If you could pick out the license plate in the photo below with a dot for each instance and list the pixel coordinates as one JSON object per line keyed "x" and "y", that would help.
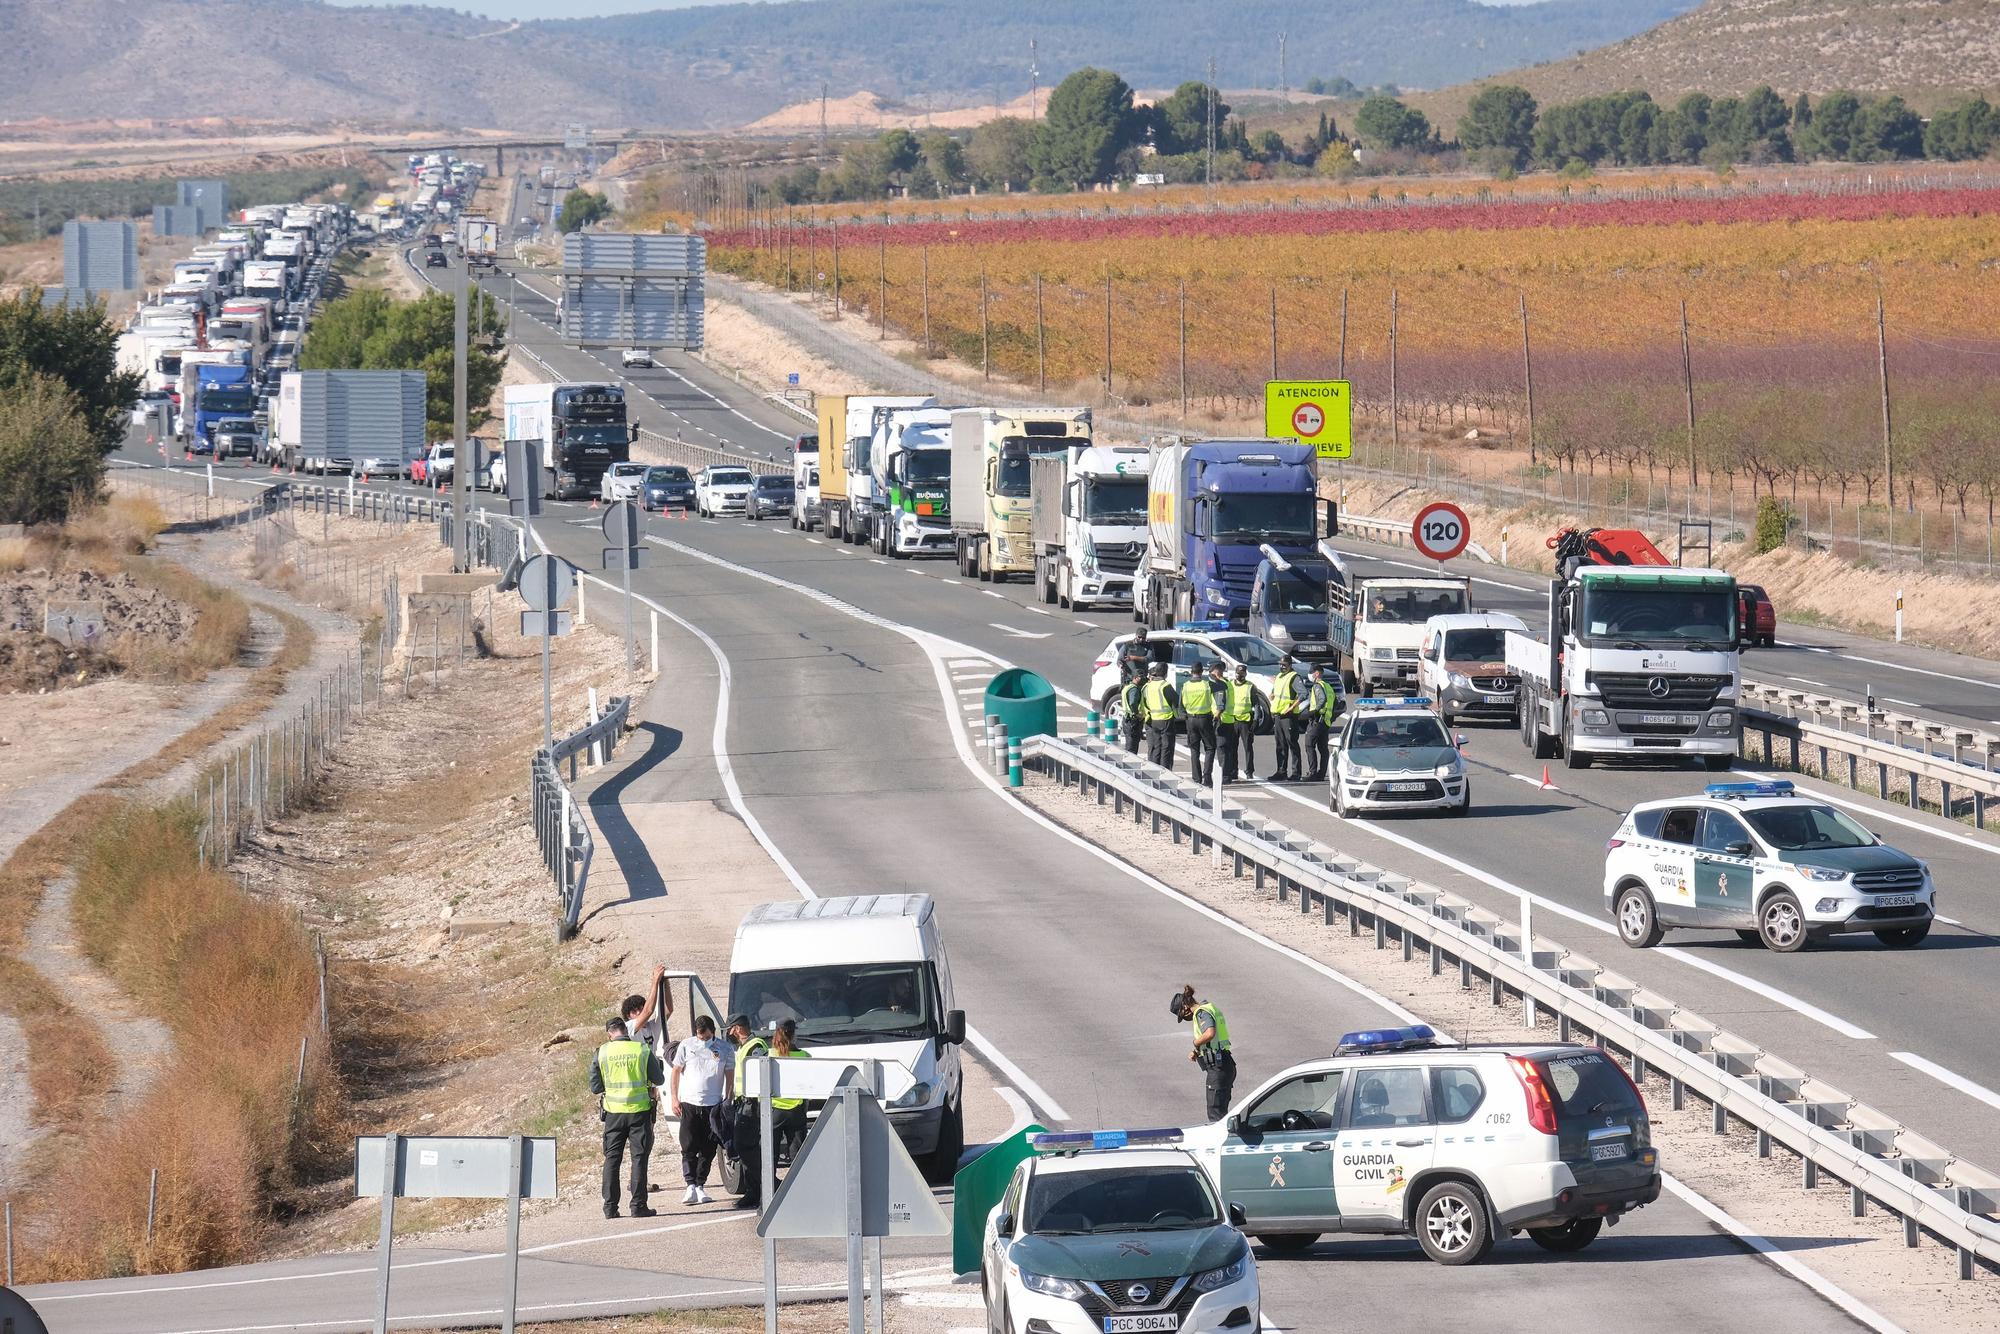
{"x": 1132, "y": 1324}
{"x": 1895, "y": 900}
{"x": 1311, "y": 646}
{"x": 1605, "y": 1152}
{"x": 1498, "y": 699}
{"x": 1664, "y": 719}
{"x": 1406, "y": 787}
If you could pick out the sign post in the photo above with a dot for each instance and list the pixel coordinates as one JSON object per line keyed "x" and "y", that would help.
{"x": 1440, "y": 531}
{"x": 547, "y": 582}
{"x": 622, "y": 553}
{"x": 1319, "y": 413}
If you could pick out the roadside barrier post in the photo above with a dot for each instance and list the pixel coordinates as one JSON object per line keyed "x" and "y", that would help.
{"x": 1090, "y": 723}
{"x": 1899, "y": 616}
{"x": 992, "y": 735}
{"x": 1000, "y": 747}
{"x": 1013, "y": 764}
{"x": 656, "y": 641}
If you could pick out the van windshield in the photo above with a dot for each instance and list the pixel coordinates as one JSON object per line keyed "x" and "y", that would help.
{"x": 841, "y": 1003}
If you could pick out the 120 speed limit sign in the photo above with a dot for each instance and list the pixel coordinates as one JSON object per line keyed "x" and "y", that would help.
{"x": 1441, "y": 531}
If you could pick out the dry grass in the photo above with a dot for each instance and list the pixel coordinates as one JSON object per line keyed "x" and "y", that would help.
{"x": 126, "y": 524}
{"x": 221, "y": 626}
{"x": 15, "y": 553}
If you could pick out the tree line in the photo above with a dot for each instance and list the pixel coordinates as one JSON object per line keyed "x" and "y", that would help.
{"x": 64, "y": 405}
{"x": 369, "y": 330}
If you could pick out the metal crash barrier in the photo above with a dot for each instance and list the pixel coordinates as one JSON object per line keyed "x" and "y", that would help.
{"x": 560, "y": 829}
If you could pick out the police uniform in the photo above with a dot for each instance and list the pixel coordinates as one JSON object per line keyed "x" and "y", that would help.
{"x": 1322, "y": 704}
{"x": 1133, "y": 696}
{"x": 1286, "y": 709}
{"x": 625, "y": 1074}
{"x": 1162, "y": 706}
{"x": 788, "y": 1122}
{"x": 1220, "y": 1081}
{"x": 1201, "y": 703}
{"x": 1135, "y": 659}
{"x": 1239, "y": 731}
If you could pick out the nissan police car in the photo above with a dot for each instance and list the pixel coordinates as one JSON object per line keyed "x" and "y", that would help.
{"x": 1109, "y": 1232}
{"x": 1397, "y": 1134}
{"x": 1765, "y": 862}
{"x": 1394, "y": 755}
{"x": 1187, "y": 648}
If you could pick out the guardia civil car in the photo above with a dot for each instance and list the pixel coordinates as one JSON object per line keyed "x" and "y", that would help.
{"x": 1115, "y": 1232}
{"x": 1394, "y": 755}
{"x": 1762, "y": 861}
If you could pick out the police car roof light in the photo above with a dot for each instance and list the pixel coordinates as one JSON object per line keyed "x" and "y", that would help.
{"x": 1776, "y": 788}
{"x": 1077, "y": 1141}
{"x": 1202, "y": 625}
{"x": 1411, "y": 702}
{"x": 1386, "y": 1039}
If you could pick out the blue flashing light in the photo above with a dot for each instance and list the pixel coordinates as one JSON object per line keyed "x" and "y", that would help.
{"x": 1386, "y": 1039}
{"x": 1412, "y": 702}
{"x": 1216, "y": 625}
{"x": 1077, "y": 1141}
{"x": 1779, "y": 787}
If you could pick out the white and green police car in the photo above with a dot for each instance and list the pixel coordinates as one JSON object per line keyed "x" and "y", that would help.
{"x": 1394, "y": 755}
{"x": 1115, "y": 1232}
{"x": 1765, "y": 862}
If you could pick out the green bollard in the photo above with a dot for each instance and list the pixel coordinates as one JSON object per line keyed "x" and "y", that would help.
{"x": 1013, "y": 763}
{"x": 1090, "y": 724}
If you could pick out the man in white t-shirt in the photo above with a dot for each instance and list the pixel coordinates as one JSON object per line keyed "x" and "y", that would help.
{"x": 645, "y": 1016}
{"x": 700, "y": 1083}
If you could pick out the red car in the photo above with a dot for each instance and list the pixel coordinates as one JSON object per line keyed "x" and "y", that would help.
{"x": 1757, "y": 618}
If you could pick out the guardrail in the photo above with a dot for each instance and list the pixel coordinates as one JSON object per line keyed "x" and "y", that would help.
{"x": 1927, "y": 781}
{"x": 1927, "y": 1187}
{"x": 560, "y": 829}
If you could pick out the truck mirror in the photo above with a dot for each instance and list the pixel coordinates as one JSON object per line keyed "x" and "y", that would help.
{"x": 1331, "y": 517}
{"x": 632, "y": 429}
{"x": 954, "y": 1027}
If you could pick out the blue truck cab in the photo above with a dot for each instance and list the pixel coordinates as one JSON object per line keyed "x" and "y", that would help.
{"x": 1215, "y": 510}
{"x": 220, "y": 391}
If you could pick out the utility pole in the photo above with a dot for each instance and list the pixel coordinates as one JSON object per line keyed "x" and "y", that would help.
{"x": 1209, "y": 171}
{"x": 1034, "y": 82}
{"x": 1882, "y": 364}
{"x": 1687, "y": 379}
{"x": 463, "y": 464}
{"x": 1528, "y": 377}
{"x": 822, "y": 119}
{"x": 1284, "y": 83}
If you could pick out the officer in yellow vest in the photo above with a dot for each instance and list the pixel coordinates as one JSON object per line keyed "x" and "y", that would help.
{"x": 1322, "y": 706}
{"x": 1163, "y": 708}
{"x": 1239, "y": 728}
{"x": 743, "y": 1132}
{"x": 1287, "y": 707}
{"x": 624, "y": 1075}
{"x": 1211, "y": 1047}
{"x": 1132, "y": 696}
{"x": 1201, "y": 701}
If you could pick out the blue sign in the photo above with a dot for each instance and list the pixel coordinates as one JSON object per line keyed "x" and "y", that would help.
{"x": 792, "y": 379}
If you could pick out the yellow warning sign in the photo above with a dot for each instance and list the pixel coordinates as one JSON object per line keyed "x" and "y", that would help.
{"x": 1319, "y": 413}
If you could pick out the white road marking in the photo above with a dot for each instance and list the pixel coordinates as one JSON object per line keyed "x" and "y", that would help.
{"x": 989, "y": 592}
{"x": 814, "y": 540}
{"x": 877, "y": 560}
{"x": 1534, "y": 782}
{"x": 1806, "y": 680}
{"x": 1092, "y": 624}
{"x": 1898, "y": 667}
{"x": 950, "y": 581}
{"x": 1906, "y": 703}
{"x": 1019, "y": 634}
{"x": 1944, "y": 1076}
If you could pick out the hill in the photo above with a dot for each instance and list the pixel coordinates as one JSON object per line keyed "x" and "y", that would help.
{"x": 1926, "y": 50}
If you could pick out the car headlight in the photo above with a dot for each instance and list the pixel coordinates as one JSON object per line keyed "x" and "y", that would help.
{"x": 1449, "y": 769}
{"x": 917, "y": 1095}
{"x": 1216, "y": 596}
{"x": 1460, "y": 680}
{"x": 1382, "y": 654}
{"x": 1827, "y": 873}
{"x": 1067, "y": 1289}
{"x": 1361, "y": 771}
{"x": 1595, "y": 718}
{"x": 1210, "y": 1280}
{"x": 1277, "y": 634}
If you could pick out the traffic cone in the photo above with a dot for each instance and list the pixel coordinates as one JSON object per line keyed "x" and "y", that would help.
{"x": 1546, "y": 784}
{"x": 364, "y": 477}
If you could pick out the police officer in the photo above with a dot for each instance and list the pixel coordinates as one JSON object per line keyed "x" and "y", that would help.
{"x": 1163, "y": 707}
{"x": 1136, "y": 657}
{"x": 1322, "y": 704}
{"x": 1239, "y": 728}
{"x": 1211, "y": 1047}
{"x": 744, "y": 1131}
{"x": 1132, "y": 695}
{"x": 1287, "y": 705}
{"x": 1202, "y": 704}
{"x": 624, "y": 1075}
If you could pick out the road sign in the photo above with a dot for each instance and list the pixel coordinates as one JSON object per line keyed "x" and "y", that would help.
{"x": 1440, "y": 530}
{"x": 812, "y": 1201}
{"x": 546, "y": 624}
{"x": 547, "y": 582}
{"x": 1319, "y": 413}
{"x": 621, "y": 525}
{"x": 522, "y": 462}
{"x": 625, "y": 558}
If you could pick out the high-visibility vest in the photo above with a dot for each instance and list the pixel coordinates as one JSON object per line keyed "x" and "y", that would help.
{"x": 1197, "y": 699}
{"x": 786, "y": 1104}
{"x": 1283, "y": 701}
{"x": 1159, "y": 709}
{"x": 1325, "y": 702}
{"x": 751, "y": 1047}
{"x": 1242, "y": 705}
{"x": 622, "y": 1066}
{"x": 1215, "y": 1019}
{"x": 1135, "y": 701}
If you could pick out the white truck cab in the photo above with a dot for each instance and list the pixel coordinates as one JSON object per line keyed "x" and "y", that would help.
{"x": 1376, "y": 628}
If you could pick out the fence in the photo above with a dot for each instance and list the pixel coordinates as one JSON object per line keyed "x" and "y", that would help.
{"x": 1932, "y": 1191}
{"x": 560, "y": 829}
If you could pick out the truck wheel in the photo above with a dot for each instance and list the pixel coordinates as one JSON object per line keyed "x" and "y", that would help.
{"x": 980, "y": 568}
{"x": 1572, "y": 757}
{"x": 943, "y": 1163}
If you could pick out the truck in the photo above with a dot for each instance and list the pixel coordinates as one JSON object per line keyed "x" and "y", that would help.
{"x": 216, "y": 391}
{"x": 1087, "y": 523}
{"x": 1212, "y": 508}
{"x": 580, "y": 430}
{"x": 479, "y": 241}
{"x": 266, "y": 279}
{"x": 330, "y": 420}
{"x": 990, "y": 486}
{"x": 846, "y": 485}
{"x": 806, "y": 511}
{"x": 1375, "y": 627}
{"x": 909, "y": 458}
{"x": 1640, "y": 657}
{"x": 244, "y": 322}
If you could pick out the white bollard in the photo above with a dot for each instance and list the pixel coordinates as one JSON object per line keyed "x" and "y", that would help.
{"x": 596, "y": 748}
{"x": 581, "y": 615}
{"x": 1527, "y": 930}
{"x": 1503, "y": 546}
{"x": 211, "y": 479}
{"x": 656, "y": 641}
{"x": 1899, "y": 616}
{"x": 1215, "y": 846}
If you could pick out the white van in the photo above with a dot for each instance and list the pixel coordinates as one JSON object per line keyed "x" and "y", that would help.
{"x": 867, "y": 978}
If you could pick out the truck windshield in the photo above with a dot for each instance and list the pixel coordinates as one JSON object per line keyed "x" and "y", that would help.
{"x": 226, "y": 398}
{"x": 1013, "y": 472}
{"x": 1481, "y": 645}
{"x": 598, "y": 433}
{"x": 1110, "y": 501}
{"x": 1667, "y": 615}
{"x": 1413, "y": 606}
{"x": 1293, "y": 594}
{"x": 927, "y": 465}
{"x": 1265, "y": 518}
{"x": 856, "y": 1002}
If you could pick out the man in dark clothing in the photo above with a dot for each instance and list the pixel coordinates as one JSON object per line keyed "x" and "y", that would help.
{"x": 1163, "y": 708}
{"x": 624, "y": 1076}
{"x": 1135, "y": 660}
{"x": 1132, "y": 719}
{"x": 1322, "y": 705}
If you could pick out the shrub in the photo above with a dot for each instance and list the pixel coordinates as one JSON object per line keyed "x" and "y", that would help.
{"x": 1774, "y": 523}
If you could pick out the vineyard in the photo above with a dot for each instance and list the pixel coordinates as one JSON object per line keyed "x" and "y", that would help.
{"x": 1441, "y": 313}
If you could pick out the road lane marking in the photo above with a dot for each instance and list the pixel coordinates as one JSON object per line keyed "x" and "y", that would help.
{"x": 1947, "y": 1077}
{"x": 1019, "y": 634}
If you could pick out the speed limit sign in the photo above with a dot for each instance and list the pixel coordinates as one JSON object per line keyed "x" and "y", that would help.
{"x": 1441, "y": 530}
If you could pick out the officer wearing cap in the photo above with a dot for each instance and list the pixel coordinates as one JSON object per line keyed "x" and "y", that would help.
{"x": 1163, "y": 707}
{"x": 1287, "y": 707}
{"x": 1211, "y": 1047}
{"x": 1322, "y": 704}
{"x": 1239, "y": 728}
{"x": 1132, "y": 699}
{"x": 1201, "y": 702}
{"x": 1135, "y": 657}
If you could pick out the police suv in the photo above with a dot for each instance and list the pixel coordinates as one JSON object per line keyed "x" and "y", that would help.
{"x": 1115, "y": 1232}
{"x": 1397, "y": 1134}
{"x": 1765, "y": 862}
{"x": 1394, "y": 755}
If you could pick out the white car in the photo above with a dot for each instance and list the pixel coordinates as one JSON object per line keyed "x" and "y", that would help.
{"x": 1758, "y": 859}
{"x": 1462, "y": 664}
{"x": 1094, "y": 1236}
{"x": 622, "y": 481}
{"x": 1394, "y": 755}
{"x": 438, "y": 463}
{"x": 721, "y": 489}
{"x": 1191, "y": 645}
{"x": 636, "y": 356}
{"x": 1455, "y": 1146}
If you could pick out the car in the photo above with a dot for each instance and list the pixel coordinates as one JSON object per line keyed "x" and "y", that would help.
{"x": 667, "y": 487}
{"x": 437, "y": 464}
{"x": 1756, "y": 617}
{"x": 437, "y": 259}
{"x": 1186, "y": 647}
{"x": 1757, "y": 858}
{"x": 1462, "y": 664}
{"x": 621, "y": 481}
{"x": 770, "y": 496}
{"x": 236, "y": 438}
{"x": 1114, "y": 1230}
{"x": 721, "y": 489}
{"x": 382, "y": 465}
{"x": 145, "y": 409}
{"x": 1398, "y": 1133}
{"x": 1394, "y": 755}
{"x": 635, "y": 356}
